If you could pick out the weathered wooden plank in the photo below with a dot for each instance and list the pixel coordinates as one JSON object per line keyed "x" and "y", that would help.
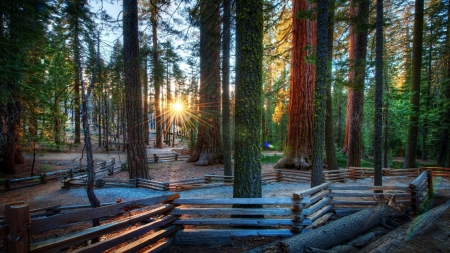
{"x": 128, "y": 235}
{"x": 367, "y": 202}
{"x": 314, "y": 208}
{"x": 237, "y": 201}
{"x": 193, "y": 236}
{"x": 311, "y": 191}
{"x": 233, "y": 211}
{"x": 162, "y": 247}
{"x": 367, "y": 194}
{"x": 145, "y": 241}
{"x": 44, "y": 224}
{"x": 4, "y": 230}
{"x": 307, "y": 201}
{"x": 237, "y": 222}
{"x": 368, "y": 188}
{"x": 65, "y": 241}
{"x": 316, "y": 215}
{"x": 418, "y": 180}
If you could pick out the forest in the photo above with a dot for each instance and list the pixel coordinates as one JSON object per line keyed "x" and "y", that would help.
{"x": 329, "y": 83}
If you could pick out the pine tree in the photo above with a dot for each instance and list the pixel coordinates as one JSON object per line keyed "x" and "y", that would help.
{"x": 136, "y": 149}
{"x": 208, "y": 149}
{"x": 248, "y": 108}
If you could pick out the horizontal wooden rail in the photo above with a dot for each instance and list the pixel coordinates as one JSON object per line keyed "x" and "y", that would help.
{"x": 44, "y": 224}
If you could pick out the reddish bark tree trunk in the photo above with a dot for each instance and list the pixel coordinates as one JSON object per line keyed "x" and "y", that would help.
{"x": 297, "y": 153}
{"x": 357, "y": 56}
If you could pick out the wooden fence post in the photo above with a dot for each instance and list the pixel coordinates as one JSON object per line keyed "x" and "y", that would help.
{"x": 176, "y": 157}
{"x": 136, "y": 183}
{"x": 44, "y": 178}
{"x": 7, "y": 184}
{"x": 19, "y": 228}
{"x": 430, "y": 183}
{"x": 155, "y": 158}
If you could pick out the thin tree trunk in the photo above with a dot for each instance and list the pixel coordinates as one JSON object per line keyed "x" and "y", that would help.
{"x": 87, "y": 137}
{"x": 156, "y": 78}
{"x": 378, "y": 140}
{"x": 320, "y": 93}
{"x": 329, "y": 129}
{"x": 226, "y": 133}
{"x": 146, "y": 128}
{"x": 413, "y": 122}
{"x": 77, "y": 85}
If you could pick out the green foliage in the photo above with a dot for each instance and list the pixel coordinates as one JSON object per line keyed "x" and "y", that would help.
{"x": 270, "y": 159}
{"x": 43, "y": 168}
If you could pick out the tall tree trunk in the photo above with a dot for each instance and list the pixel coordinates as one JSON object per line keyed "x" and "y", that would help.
{"x": 156, "y": 77}
{"x": 146, "y": 128}
{"x": 320, "y": 93}
{"x": 378, "y": 140}
{"x": 414, "y": 100}
{"x": 226, "y": 133}
{"x": 359, "y": 13}
{"x": 77, "y": 85}
{"x": 386, "y": 128}
{"x": 248, "y": 107}
{"x": 136, "y": 149}
{"x": 297, "y": 153}
{"x": 208, "y": 149}
{"x": 329, "y": 129}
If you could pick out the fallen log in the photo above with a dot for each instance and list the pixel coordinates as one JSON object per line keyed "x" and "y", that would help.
{"x": 336, "y": 232}
{"x": 404, "y": 235}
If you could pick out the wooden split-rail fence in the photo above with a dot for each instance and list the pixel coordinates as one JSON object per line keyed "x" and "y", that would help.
{"x": 102, "y": 169}
{"x": 196, "y": 221}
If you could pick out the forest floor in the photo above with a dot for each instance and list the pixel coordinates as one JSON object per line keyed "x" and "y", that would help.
{"x": 51, "y": 194}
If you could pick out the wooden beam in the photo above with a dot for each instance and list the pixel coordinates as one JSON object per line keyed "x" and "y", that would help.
{"x": 237, "y": 201}
{"x": 162, "y": 247}
{"x": 147, "y": 240}
{"x": 44, "y": 224}
{"x": 233, "y": 211}
{"x": 310, "y": 191}
{"x": 369, "y": 188}
{"x": 126, "y": 236}
{"x": 65, "y": 241}
{"x": 237, "y": 222}
{"x": 418, "y": 180}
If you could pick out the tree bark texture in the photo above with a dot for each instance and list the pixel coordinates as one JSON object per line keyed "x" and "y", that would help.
{"x": 320, "y": 93}
{"x": 208, "y": 149}
{"x": 157, "y": 78}
{"x": 297, "y": 152}
{"x": 329, "y": 129}
{"x": 414, "y": 100}
{"x": 226, "y": 131}
{"x": 136, "y": 148}
{"x": 248, "y": 108}
{"x": 378, "y": 138}
{"x": 336, "y": 232}
{"x": 359, "y": 13}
